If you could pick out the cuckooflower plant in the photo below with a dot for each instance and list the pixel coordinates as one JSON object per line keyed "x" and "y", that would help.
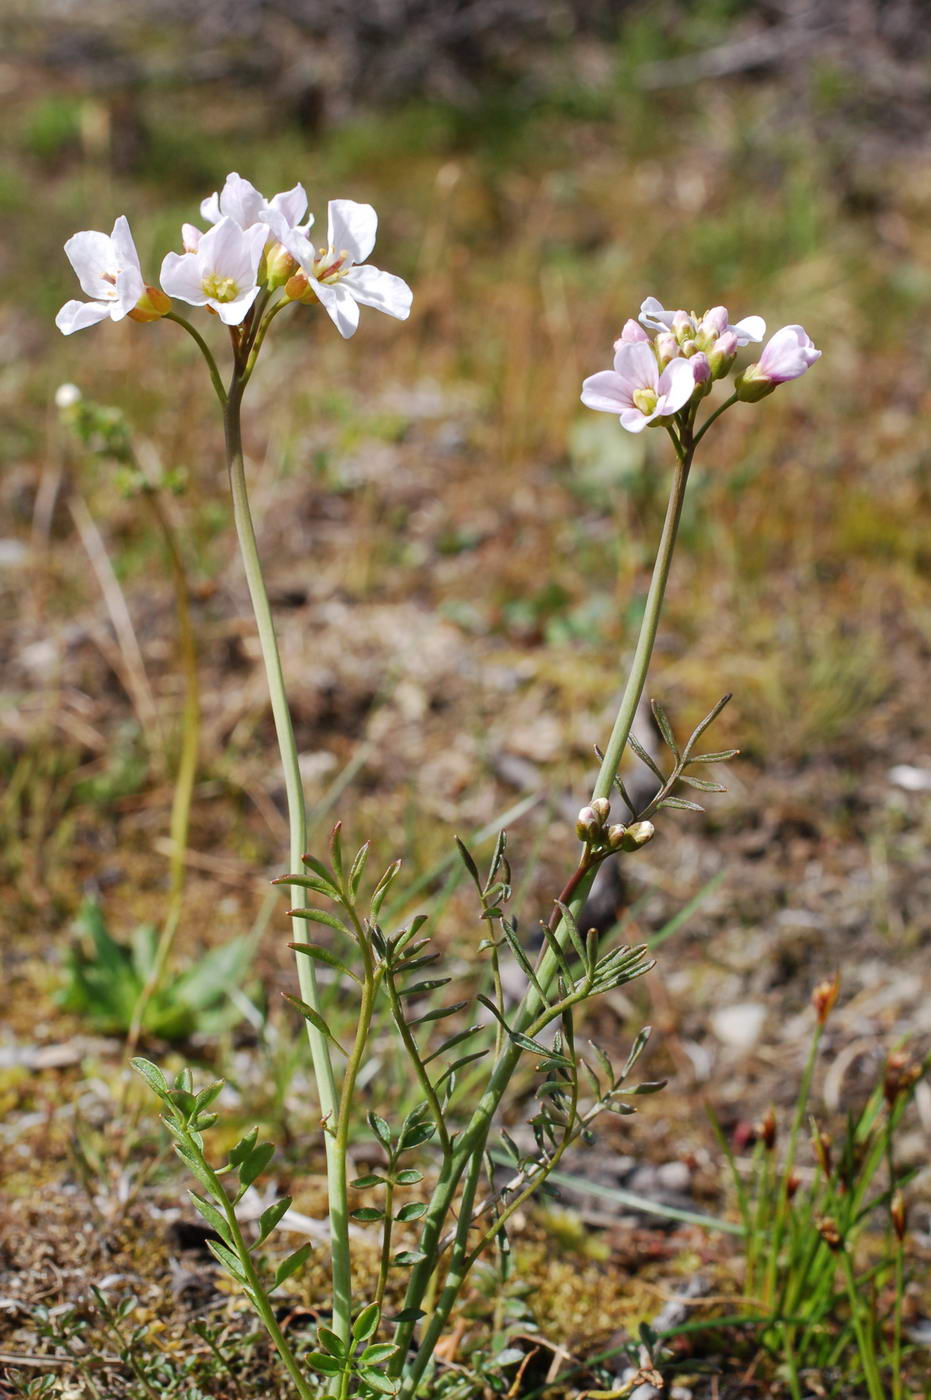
{"x": 433, "y": 1197}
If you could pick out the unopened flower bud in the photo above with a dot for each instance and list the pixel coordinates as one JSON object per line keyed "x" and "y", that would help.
{"x": 67, "y": 395}
{"x": 587, "y": 825}
{"x": 714, "y": 322}
{"x": 702, "y": 370}
{"x": 151, "y": 306}
{"x": 297, "y": 288}
{"x": 683, "y": 327}
{"x": 637, "y": 835}
{"x": 787, "y": 355}
{"x": 615, "y": 836}
{"x": 899, "y": 1212}
{"x": 631, "y": 333}
{"x": 280, "y": 266}
{"x": 688, "y": 348}
{"x": 824, "y": 996}
{"x": 722, "y": 354}
{"x": 827, "y": 1229}
{"x": 666, "y": 347}
{"x": 793, "y": 1182}
{"x": 601, "y": 806}
{"x": 766, "y": 1130}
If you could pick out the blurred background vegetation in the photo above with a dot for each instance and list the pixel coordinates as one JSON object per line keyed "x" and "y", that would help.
{"x": 458, "y": 552}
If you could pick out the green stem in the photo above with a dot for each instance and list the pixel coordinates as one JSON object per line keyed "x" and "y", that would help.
{"x": 186, "y": 774}
{"x": 648, "y": 627}
{"x": 284, "y": 729}
{"x": 467, "y": 1155}
{"x": 864, "y": 1340}
{"x": 722, "y": 408}
{"x": 205, "y": 350}
{"x": 260, "y": 1298}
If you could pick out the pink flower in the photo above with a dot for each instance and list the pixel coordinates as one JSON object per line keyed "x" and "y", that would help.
{"x": 787, "y": 355}
{"x": 635, "y": 390}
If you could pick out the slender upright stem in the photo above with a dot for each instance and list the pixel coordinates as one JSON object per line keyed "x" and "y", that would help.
{"x": 465, "y": 1163}
{"x": 648, "y": 627}
{"x": 284, "y": 729}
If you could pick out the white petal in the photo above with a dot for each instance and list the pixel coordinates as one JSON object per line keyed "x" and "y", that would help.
{"x": 292, "y": 204}
{"x": 75, "y": 315}
{"x": 606, "y": 392}
{"x": 190, "y": 237}
{"x": 129, "y": 288}
{"x": 232, "y": 312}
{"x": 298, "y": 246}
{"x": 372, "y": 287}
{"x": 340, "y": 306}
{"x": 122, "y": 241}
{"x": 230, "y": 251}
{"x": 241, "y": 201}
{"x": 210, "y": 208}
{"x": 93, "y": 257}
{"x": 181, "y": 277}
{"x": 352, "y": 228}
{"x": 750, "y": 328}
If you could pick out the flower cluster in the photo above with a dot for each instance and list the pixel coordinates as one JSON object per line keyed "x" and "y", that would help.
{"x": 252, "y": 244}
{"x": 658, "y": 375}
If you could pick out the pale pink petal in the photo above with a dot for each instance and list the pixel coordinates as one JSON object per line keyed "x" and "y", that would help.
{"x": 676, "y": 385}
{"x": 630, "y": 332}
{"x": 181, "y": 278}
{"x": 340, "y": 306}
{"x": 352, "y": 228}
{"x": 382, "y": 290}
{"x": 76, "y": 315}
{"x": 635, "y": 421}
{"x": 93, "y": 258}
{"x": 787, "y": 355}
{"x": 607, "y": 392}
{"x": 190, "y": 237}
{"x": 655, "y": 315}
{"x": 636, "y": 364}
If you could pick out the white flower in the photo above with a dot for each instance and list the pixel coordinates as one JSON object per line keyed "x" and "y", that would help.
{"x": 713, "y": 324}
{"x": 241, "y": 201}
{"x": 67, "y": 395}
{"x": 338, "y": 274}
{"x": 220, "y": 272}
{"x": 635, "y": 390}
{"x": 108, "y": 271}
